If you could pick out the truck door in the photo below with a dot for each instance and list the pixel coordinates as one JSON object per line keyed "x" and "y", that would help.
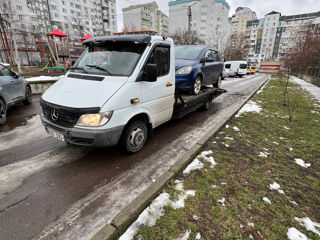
{"x": 158, "y": 97}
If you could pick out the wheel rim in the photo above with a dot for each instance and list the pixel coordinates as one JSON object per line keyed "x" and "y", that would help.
{"x": 2, "y": 111}
{"x": 136, "y": 137}
{"x": 197, "y": 86}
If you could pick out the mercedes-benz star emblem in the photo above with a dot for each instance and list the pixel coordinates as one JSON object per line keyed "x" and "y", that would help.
{"x": 54, "y": 115}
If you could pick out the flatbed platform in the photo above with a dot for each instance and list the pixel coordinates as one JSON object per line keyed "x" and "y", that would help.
{"x": 185, "y": 104}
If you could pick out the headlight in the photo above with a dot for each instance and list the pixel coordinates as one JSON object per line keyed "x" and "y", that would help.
{"x": 184, "y": 70}
{"x": 94, "y": 120}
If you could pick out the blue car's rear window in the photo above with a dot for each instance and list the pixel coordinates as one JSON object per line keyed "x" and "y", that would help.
{"x": 188, "y": 52}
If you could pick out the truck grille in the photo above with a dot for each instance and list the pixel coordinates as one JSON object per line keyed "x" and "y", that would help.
{"x": 64, "y": 116}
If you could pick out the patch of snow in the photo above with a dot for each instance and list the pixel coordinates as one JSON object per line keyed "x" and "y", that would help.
{"x": 276, "y": 186}
{"x": 227, "y": 126}
{"x": 313, "y": 89}
{"x": 214, "y": 186}
{"x": 294, "y": 234}
{"x": 44, "y": 78}
{"x": 179, "y": 185}
{"x": 261, "y": 89}
{"x": 286, "y": 128}
{"x": 291, "y": 149}
{"x": 198, "y": 236}
{"x": 185, "y": 236}
{"x": 226, "y": 144}
{"x": 301, "y": 163}
{"x": 221, "y": 133}
{"x": 309, "y": 225}
{"x": 195, "y": 217}
{"x": 154, "y": 211}
{"x": 250, "y": 224}
{"x": 276, "y": 143}
{"x": 236, "y": 129}
{"x": 263, "y": 154}
{"x": 195, "y": 165}
{"x": 251, "y": 106}
{"x": 229, "y": 138}
{"x": 241, "y": 226}
{"x": 223, "y": 183}
{"x": 281, "y": 138}
{"x": 250, "y": 236}
{"x": 222, "y": 201}
{"x": 267, "y": 200}
{"x": 293, "y": 202}
{"x": 204, "y": 156}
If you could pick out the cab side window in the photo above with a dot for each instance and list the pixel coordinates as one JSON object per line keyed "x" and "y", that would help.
{"x": 216, "y": 56}
{"x": 161, "y": 56}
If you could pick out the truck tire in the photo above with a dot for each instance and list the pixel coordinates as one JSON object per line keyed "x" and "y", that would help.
{"x": 135, "y": 136}
{"x": 197, "y": 86}
{"x": 28, "y": 99}
{"x": 3, "y": 112}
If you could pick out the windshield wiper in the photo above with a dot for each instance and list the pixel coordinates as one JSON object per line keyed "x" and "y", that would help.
{"x": 80, "y": 68}
{"x": 99, "y": 68}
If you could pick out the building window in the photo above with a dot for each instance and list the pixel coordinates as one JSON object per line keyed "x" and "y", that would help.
{"x": 63, "y": 2}
{"x": 19, "y": 8}
{"x": 64, "y": 10}
{"x": 71, "y": 4}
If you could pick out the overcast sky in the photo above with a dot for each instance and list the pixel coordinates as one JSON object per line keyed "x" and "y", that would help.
{"x": 286, "y": 7}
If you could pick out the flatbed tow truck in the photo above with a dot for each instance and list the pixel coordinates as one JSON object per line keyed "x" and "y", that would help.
{"x": 119, "y": 90}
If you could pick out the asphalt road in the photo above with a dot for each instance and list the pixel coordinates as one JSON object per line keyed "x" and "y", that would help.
{"x": 52, "y": 191}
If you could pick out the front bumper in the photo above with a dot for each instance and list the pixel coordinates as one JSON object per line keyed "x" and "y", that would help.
{"x": 87, "y": 137}
{"x": 185, "y": 81}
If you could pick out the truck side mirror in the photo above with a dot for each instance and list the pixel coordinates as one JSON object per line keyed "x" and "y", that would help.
{"x": 151, "y": 72}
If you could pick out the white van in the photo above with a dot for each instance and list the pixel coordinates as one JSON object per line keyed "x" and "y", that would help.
{"x": 118, "y": 91}
{"x": 239, "y": 68}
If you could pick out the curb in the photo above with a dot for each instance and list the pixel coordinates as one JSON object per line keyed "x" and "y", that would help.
{"x": 131, "y": 212}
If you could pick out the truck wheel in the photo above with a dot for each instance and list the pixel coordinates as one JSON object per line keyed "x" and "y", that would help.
{"x": 197, "y": 86}
{"x": 3, "y": 112}
{"x": 135, "y": 136}
{"x": 28, "y": 99}
{"x": 218, "y": 83}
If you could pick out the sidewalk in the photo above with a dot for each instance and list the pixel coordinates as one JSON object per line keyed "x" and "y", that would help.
{"x": 313, "y": 89}
{"x": 258, "y": 178}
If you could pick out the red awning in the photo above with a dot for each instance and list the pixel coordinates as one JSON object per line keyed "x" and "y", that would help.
{"x": 57, "y": 33}
{"x": 86, "y": 37}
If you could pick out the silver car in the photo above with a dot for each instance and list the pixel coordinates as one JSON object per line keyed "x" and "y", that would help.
{"x": 14, "y": 89}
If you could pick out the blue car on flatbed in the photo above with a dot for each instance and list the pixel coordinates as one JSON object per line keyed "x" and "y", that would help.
{"x": 197, "y": 66}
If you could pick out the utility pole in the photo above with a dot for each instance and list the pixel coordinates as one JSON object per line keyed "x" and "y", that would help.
{"x": 189, "y": 18}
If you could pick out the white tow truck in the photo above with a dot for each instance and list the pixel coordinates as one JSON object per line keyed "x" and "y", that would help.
{"x": 119, "y": 90}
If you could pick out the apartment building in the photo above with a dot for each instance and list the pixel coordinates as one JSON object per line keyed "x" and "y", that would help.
{"x": 28, "y": 21}
{"x": 270, "y": 38}
{"x": 239, "y": 24}
{"x": 210, "y": 20}
{"x": 145, "y": 17}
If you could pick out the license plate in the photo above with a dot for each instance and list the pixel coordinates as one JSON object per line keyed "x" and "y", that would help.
{"x": 55, "y": 134}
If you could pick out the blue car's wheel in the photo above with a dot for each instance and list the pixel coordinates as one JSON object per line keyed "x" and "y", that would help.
{"x": 197, "y": 86}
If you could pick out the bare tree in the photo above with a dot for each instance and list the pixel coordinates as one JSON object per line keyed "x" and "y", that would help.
{"x": 235, "y": 47}
{"x": 186, "y": 38}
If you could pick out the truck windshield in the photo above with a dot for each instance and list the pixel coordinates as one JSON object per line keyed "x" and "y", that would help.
{"x": 112, "y": 59}
{"x": 188, "y": 52}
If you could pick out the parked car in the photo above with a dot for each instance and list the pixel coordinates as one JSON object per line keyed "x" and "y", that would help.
{"x": 197, "y": 66}
{"x": 239, "y": 67}
{"x": 14, "y": 89}
{"x": 227, "y": 69}
{"x": 252, "y": 70}
{"x": 225, "y": 74}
